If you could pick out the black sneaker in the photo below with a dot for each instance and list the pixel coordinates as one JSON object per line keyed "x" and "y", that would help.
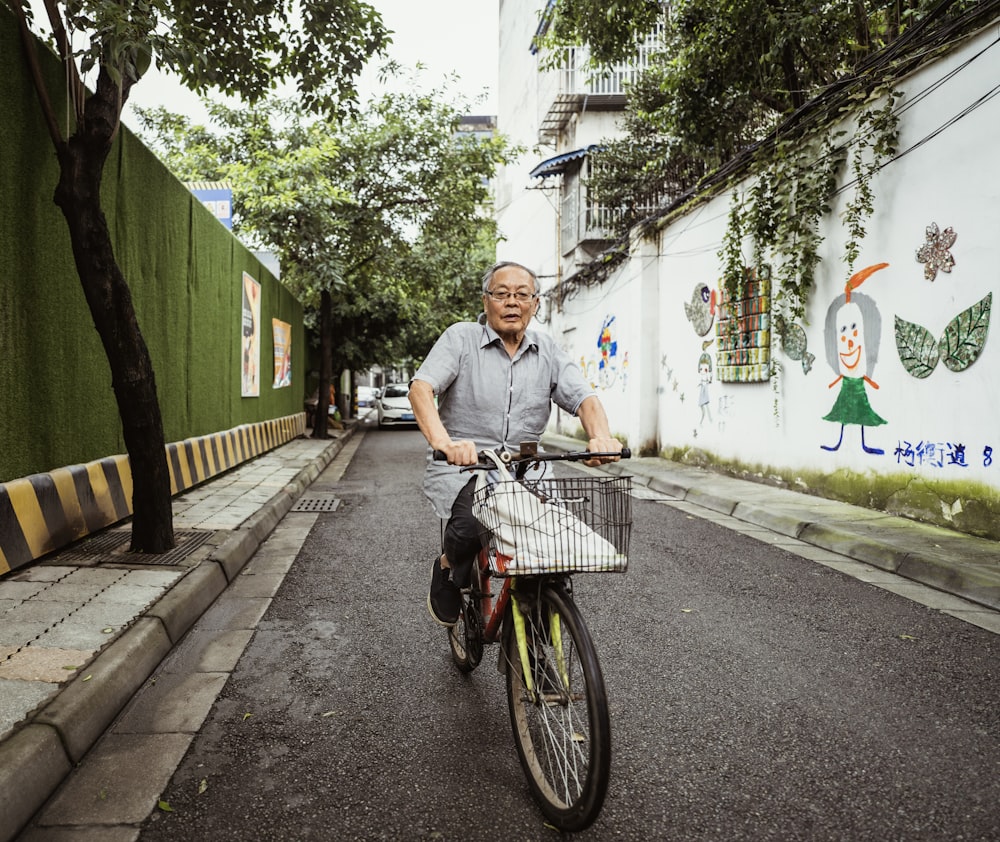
{"x": 445, "y": 599}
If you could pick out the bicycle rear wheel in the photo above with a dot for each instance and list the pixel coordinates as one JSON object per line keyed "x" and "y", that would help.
{"x": 559, "y": 713}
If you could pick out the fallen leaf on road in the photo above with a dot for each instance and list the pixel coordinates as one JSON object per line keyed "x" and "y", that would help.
{"x": 163, "y": 805}
{"x": 88, "y": 677}
{"x": 108, "y": 630}
{"x": 246, "y": 716}
{"x": 330, "y": 713}
{"x": 686, "y": 610}
{"x": 202, "y": 786}
{"x": 907, "y": 637}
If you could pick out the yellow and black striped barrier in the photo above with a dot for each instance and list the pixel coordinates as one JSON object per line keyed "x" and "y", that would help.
{"x": 44, "y": 512}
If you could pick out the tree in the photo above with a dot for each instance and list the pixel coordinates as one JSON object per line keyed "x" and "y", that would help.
{"x": 609, "y": 29}
{"x": 382, "y": 221}
{"x": 730, "y": 72}
{"x": 243, "y": 48}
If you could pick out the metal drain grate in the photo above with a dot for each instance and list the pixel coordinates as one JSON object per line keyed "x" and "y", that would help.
{"x": 112, "y": 547}
{"x": 317, "y": 504}
{"x": 106, "y": 543}
{"x": 187, "y": 543}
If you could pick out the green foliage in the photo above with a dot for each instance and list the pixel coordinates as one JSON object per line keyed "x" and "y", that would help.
{"x": 737, "y": 88}
{"x": 388, "y": 211}
{"x": 794, "y": 183}
{"x": 609, "y": 28}
{"x": 874, "y": 143}
{"x": 241, "y": 47}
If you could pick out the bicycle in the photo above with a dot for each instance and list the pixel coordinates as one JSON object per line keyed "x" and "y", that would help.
{"x": 536, "y": 533}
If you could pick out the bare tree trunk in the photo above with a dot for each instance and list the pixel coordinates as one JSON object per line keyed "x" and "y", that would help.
{"x": 81, "y": 164}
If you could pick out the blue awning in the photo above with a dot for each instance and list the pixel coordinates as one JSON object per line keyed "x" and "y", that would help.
{"x": 557, "y": 165}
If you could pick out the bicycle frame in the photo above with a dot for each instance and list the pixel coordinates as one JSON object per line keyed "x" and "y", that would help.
{"x": 492, "y": 611}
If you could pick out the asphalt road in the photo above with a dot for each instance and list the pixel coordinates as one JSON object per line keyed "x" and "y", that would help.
{"x": 754, "y": 695}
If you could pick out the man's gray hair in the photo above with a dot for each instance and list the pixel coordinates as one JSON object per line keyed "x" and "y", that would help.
{"x": 496, "y": 267}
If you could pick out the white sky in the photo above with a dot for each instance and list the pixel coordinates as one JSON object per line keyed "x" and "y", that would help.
{"x": 446, "y": 36}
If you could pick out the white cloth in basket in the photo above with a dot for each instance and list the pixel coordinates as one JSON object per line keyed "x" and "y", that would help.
{"x": 541, "y": 536}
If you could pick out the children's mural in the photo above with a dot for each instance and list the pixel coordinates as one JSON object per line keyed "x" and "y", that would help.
{"x": 743, "y": 332}
{"x": 964, "y": 336}
{"x": 704, "y": 378}
{"x": 603, "y": 372}
{"x": 853, "y": 333}
{"x": 700, "y": 311}
{"x": 935, "y": 253}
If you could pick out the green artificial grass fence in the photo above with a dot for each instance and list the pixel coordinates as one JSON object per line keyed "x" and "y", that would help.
{"x": 184, "y": 269}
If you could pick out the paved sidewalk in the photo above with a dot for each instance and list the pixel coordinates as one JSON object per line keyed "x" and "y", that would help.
{"x": 84, "y": 629}
{"x": 81, "y": 630}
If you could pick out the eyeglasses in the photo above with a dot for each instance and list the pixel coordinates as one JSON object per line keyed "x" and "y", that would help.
{"x": 519, "y": 297}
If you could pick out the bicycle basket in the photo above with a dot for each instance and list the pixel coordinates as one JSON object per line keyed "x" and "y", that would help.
{"x": 563, "y": 525}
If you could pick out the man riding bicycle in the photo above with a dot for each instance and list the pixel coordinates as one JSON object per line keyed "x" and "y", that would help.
{"x": 495, "y": 382}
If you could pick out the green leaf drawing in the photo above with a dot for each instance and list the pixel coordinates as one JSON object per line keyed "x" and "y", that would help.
{"x": 918, "y": 352}
{"x": 962, "y": 341}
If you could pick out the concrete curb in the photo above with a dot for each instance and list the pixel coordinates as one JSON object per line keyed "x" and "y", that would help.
{"x": 35, "y": 760}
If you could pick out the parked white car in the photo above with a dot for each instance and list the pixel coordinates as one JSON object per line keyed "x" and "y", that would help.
{"x": 393, "y": 405}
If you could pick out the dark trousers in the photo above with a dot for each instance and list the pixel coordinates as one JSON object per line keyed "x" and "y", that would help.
{"x": 461, "y": 536}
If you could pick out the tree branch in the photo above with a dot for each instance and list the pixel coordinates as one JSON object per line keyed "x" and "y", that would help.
{"x": 75, "y": 87}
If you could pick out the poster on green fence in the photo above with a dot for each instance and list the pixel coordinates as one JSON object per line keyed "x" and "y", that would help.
{"x": 282, "y": 332}
{"x": 251, "y": 337}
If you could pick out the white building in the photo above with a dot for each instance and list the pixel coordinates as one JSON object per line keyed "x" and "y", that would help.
{"x": 644, "y": 329}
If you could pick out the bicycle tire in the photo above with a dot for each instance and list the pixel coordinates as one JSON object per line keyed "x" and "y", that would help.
{"x": 563, "y": 734}
{"x": 465, "y": 638}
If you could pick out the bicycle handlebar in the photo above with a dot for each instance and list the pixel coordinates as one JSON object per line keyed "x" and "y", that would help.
{"x": 513, "y": 458}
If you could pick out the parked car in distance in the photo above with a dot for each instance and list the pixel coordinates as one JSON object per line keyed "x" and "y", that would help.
{"x": 366, "y": 396}
{"x": 394, "y": 405}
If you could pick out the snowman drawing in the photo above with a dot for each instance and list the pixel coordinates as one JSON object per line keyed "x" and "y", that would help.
{"x": 853, "y": 331}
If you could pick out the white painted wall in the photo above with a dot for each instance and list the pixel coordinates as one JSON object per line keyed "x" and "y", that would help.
{"x": 946, "y": 172}
{"x": 526, "y": 217}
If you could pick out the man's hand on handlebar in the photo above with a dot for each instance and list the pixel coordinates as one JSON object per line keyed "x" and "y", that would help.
{"x": 462, "y": 452}
{"x": 603, "y": 444}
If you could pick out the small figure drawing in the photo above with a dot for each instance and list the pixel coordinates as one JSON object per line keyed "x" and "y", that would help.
{"x": 852, "y": 333}
{"x": 704, "y": 378}
{"x": 607, "y": 368}
{"x": 605, "y": 343}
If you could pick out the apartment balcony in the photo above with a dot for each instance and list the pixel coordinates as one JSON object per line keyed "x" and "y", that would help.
{"x": 577, "y": 86}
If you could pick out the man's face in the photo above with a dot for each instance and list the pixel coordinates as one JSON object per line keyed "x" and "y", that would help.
{"x": 510, "y": 317}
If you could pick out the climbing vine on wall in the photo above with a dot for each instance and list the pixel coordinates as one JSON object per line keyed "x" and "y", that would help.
{"x": 874, "y": 143}
{"x": 795, "y": 181}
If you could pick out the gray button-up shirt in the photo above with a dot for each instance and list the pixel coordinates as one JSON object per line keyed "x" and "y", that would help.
{"x": 491, "y": 399}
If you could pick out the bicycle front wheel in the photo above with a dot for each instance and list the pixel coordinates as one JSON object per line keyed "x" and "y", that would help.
{"x": 559, "y": 709}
